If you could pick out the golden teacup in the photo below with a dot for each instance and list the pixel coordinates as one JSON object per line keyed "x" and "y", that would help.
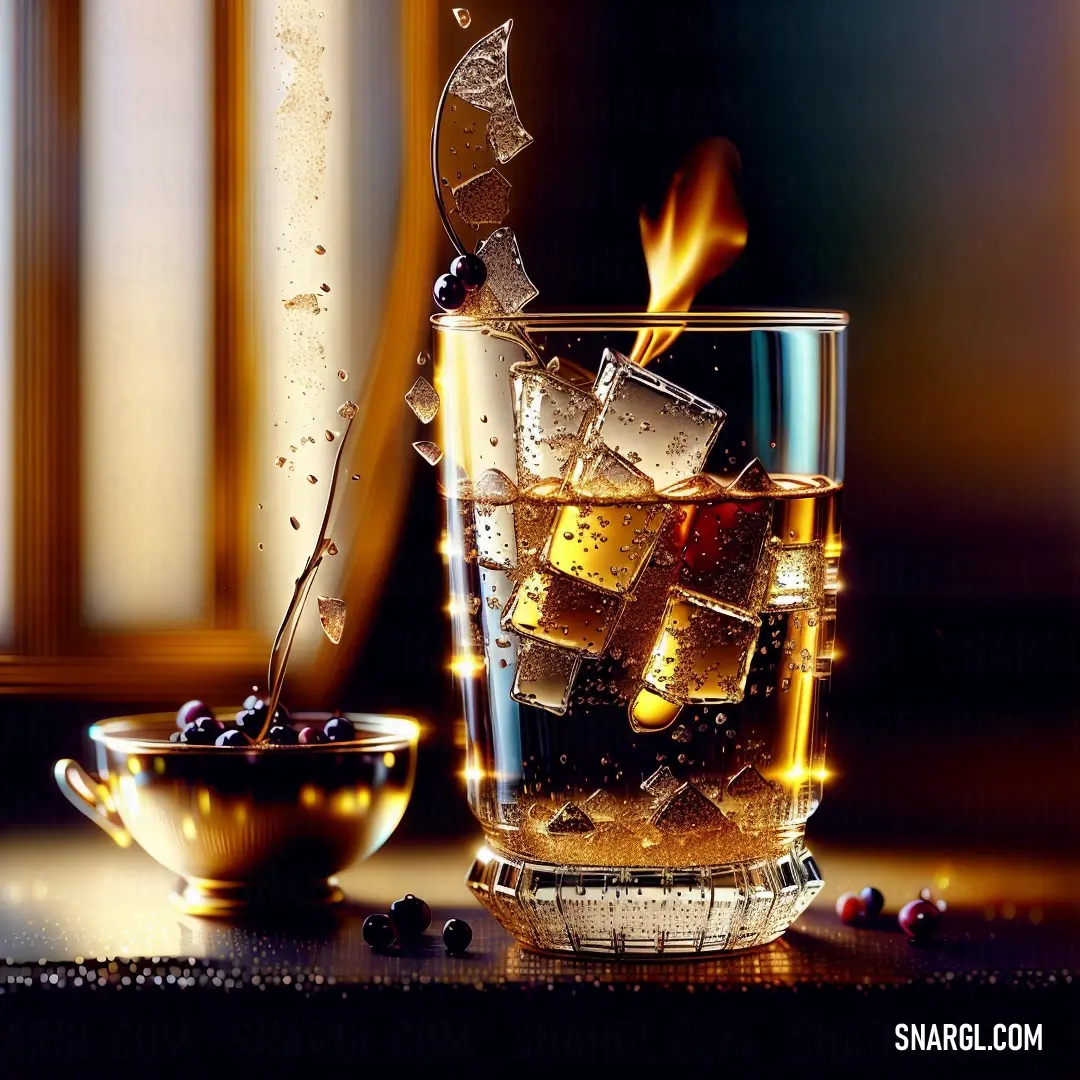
{"x": 261, "y": 827}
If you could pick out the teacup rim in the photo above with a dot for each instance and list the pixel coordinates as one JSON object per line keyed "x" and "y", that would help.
{"x": 391, "y": 731}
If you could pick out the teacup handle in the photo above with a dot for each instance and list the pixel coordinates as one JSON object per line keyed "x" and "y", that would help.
{"x": 89, "y": 795}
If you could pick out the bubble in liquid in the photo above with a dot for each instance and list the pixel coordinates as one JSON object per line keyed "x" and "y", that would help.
{"x": 342, "y": 375}
{"x": 422, "y": 358}
{"x": 494, "y": 440}
{"x": 260, "y": 547}
{"x": 328, "y": 435}
{"x": 320, "y": 250}
{"x": 294, "y": 523}
{"x": 355, "y": 476}
{"x": 260, "y": 506}
{"x": 464, "y": 19}
{"x": 312, "y": 479}
{"x": 332, "y": 548}
{"x": 324, "y": 287}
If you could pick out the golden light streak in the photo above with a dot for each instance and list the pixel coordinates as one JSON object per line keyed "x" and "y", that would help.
{"x": 468, "y": 666}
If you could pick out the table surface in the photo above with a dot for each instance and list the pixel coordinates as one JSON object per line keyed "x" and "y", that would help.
{"x": 73, "y": 894}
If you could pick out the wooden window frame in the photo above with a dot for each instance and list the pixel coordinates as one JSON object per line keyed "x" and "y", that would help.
{"x": 51, "y": 651}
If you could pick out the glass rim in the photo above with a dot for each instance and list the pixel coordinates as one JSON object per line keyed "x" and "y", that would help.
{"x": 714, "y": 319}
{"x": 377, "y": 732}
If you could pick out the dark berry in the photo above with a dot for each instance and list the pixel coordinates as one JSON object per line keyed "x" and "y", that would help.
{"x": 202, "y": 732}
{"x": 339, "y": 729}
{"x": 456, "y": 935}
{"x": 283, "y": 735}
{"x": 191, "y": 710}
{"x": 378, "y": 931}
{"x": 411, "y": 916}
{"x": 449, "y": 292}
{"x": 872, "y": 900}
{"x": 310, "y": 735}
{"x": 470, "y": 271}
{"x": 251, "y": 720}
{"x": 232, "y": 737}
{"x": 919, "y": 919}
{"x": 850, "y": 908}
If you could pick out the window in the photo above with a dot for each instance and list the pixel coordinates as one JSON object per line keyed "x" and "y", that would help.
{"x": 139, "y": 387}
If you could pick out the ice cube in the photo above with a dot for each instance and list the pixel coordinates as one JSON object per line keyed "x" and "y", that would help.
{"x": 495, "y": 535}
{"x": 607, "y": 543}
{"x": 545, "y": 676}
{"x": 563, "y": 611}
{"x": 429, "y": 451}
{"x": 688, "y": 808}
{"x": 507, "y": 288}
{"x": 550, "y": 415}
{"x": 483, "y": 199}
{"x": 650, "y": 712}
{"x": 799, "y": 578}
{"x": 661, "y": 783}
{"x": 493, "y": 486}
{"x": 660, "y": 428}
{"x": 423, "y": 399}
{"x": 571, "y": 819}
{"x": 703, "y": 650}
{"x": 754, "y": 802}
{"x": 332, "y": 617}
{"x": 481, "y": 79}
{"x": 601, "y": 806}
{"x": 725, "y": 556}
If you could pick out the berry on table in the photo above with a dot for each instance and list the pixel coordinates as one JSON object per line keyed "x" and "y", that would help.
{"x": 850, "y": 908}
{"x": 378, "y": 931}
{"x": 873, "y": 901}
{"x": 309, "y": 736}
{"x": 456, "y": 935}
{"x": 191, "y": 710}
{"x": 202, "y": 731}
{"x": 410, "y": 915}
{"x": 339, "y": 729}
{"x": 919, "y": 919}
{"x": 449, "y": 292}
{"x": 232, "y": 737}
{"x": 283, "y": 735}
{"x": 470, "y": 271}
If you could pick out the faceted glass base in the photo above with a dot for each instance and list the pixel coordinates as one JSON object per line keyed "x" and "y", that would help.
{"x": 642, "y": 911}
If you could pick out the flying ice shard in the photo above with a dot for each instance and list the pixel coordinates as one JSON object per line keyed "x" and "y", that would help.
{"x": 481, "y": 78}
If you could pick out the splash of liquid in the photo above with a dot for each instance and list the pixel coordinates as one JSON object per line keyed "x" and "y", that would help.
{"x": 283, "y": 642}
{"x": 699, "y": 232}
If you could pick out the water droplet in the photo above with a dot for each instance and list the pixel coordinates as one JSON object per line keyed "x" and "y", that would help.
{"x": 312, "y": 479}
{"x": 463, "y": 17}
{"x": 331, "y": 548}
{"x": 259, "y": 505}
{"x": 328, "y": 435}
{"x": 260, "y": 547}
{"x": 422, "y": 358}
{"x": 294, "y": 523}
{"x": 343, "y": 375}
{"x": 324, "y": 287}
{"x": 280, "y": 462}
{"x": 320, "y": 250}
{"x": 483, "y": 419}
{"x": 494, "y": 440}
{"x": 355, "y": 476}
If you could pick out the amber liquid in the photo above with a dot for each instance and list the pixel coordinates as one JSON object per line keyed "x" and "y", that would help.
{"x": 758, "y": 761}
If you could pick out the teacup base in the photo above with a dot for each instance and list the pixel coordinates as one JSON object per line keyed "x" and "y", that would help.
{"x": 227, "y": 899}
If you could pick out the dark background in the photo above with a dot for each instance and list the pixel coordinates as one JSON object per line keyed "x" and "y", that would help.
{"x": 915, "y": 164}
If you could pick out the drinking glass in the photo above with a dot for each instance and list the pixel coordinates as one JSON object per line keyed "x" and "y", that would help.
{"x": 643, "y": 576}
